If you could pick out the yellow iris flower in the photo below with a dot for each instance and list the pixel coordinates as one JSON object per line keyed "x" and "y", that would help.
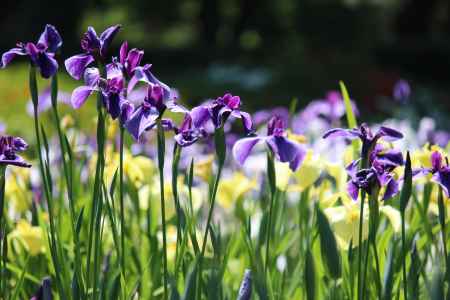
{"x": 17, "y": 191}
{"x": 231, "y": 189}
{"x": 344, "y": 220}
{"x": 31, "y": 237}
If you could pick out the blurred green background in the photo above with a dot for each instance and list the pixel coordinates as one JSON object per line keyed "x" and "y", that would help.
{"x": 266, "y": 51}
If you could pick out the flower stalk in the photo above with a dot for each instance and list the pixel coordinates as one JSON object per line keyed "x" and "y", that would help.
{"x": 161, "y": 154}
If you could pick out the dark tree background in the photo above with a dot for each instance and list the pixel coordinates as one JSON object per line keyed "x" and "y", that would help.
{"x": 268, "y": 51}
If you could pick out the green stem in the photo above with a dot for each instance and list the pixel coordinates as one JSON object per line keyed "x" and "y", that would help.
{"x": 272, "y": 184}
{"x": 405, "y": 281}
{"x": 360, "y": 243}
{"x": 442, "y": 215}
{"x": 122, "y": 209}
{"x": 377, "y": 266}
{"x": 175, "y": 163}
{"x": 161, "y": 153}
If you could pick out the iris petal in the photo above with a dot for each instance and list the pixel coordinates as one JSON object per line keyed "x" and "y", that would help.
{"x": 50, "y": 38}
{"x": 9, "y": 55}
{"x": 80, "y": 95}
{"x": 76, "y": 64}
{"x": 243, "y": 147}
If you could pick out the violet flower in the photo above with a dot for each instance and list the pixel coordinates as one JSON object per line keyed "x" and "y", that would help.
{"x": 129, "y": 60}
{"x": 9, "y": 146}
{"x": 111, "y": 89}
{"x": 145, "y": 115}
{"x": 219, "y": 110}
{"x": 283, "y": 149}
{"x": 188, "y": 134}
{"x": 366, "y": 136}
{"x": 380, "y": 162}
{"x": 440, "y": 172}
{"x": 379, "y": 174}
{"x": 94, "y": 47}
{"x": 40, "y": 54}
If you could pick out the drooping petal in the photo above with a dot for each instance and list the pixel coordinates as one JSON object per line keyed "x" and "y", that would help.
{"x": 14, "y": 161}
{"x": 9, "y": 55}
{"x": 391, "y": 189}
{"x": 283, "y": 149}
{"x": 443, "y": 179}
{"x": 353, "y": 190}
{"x": 76, "y": 64}
{"x": 126, "y": 109}
{"x": 299, "y": 157}
{"x": 246, "y": 121}
{"x": 389, "y": 134}
{"x": 106, "y": 37}
{"x": 80, "y": 95}
{"x": 200, "y": 115}
{"x": 243, "y": 147}
{"x": 47, "y": 65}
{"x": 141, "y": 121}
{"x": 50, "y": 38}
{"x": 345, "y": 133}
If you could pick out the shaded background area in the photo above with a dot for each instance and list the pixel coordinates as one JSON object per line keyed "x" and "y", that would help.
{"x": 266, "y": 51}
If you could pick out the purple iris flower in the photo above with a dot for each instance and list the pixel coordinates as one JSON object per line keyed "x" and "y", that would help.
{"x": 440, "y": 172}
{"x": 219, "y": 110}
{"x": 188, "y": 134}
{"x": 145, "y": 115}
{"x": 283, "y": 149}
{"x": 129, "y": 60}
{"x": 41, "y": 54}
{"x": 382, "y": 162}
{"x": 9, "y": 146}
{"x": 366, "y": 136}
{"x": 93, "y": 47}
{"x": 112, "y": 91}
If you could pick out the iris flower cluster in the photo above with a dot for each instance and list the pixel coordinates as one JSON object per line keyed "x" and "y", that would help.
{"x": 376, "y": 161}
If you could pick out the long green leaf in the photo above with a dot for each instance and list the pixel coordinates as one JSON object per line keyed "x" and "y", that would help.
{"x": 328, "y": 246}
